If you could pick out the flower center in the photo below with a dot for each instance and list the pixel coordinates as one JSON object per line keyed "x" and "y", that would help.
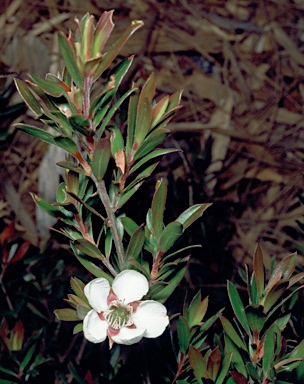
{"x": 118, "y": 315}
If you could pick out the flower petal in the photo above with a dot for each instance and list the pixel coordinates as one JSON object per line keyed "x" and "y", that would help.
{"x": 97, "y": 292}
{"x": 128, "y": 336}
{"x": 152, "y": 316}
{"x": 130, "y": 286}
{"x": 94, "y": 329}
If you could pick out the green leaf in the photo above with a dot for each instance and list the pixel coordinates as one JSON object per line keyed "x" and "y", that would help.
{"x": 136, "y": 243}
{"x": 275, "y": 294}
{"x": 102, "y": 102}
{"x": 88, "y": 248}
{"x": 132, "y": 112}
{"x": 129, "y": 224}
{"x": 102, "y": 32}
{"x": 159, "y": 110}
{"x": 231, "y": 332}
{"x": 197, "y": 363}
{"x": 72, "y": 166}
{"x": 183, "y": 334}
{"x": 128, "y": 193}
{"x": 9, "y": 372}
{"x": 49, "y": 87}
{"x": 143, "y": 120}
{"x": 259, "y": 272}
{"x": 269, "y": 349}
{"x": 66, "y": 314}
{"x": 158, "y": 207}
{"x": 169, "y": 236}
{"x": 117, "y": 142}
{"x": 224, "y": 369}
{"x": 151, "y": 142}
{"x": 238, "y": 307}
{"x": 298, "y": 351}
{"x": 115, "y": 48}
{"x": 101, "y": 158}
{"x": 236, "y": 358}
{"x": 69, "y": 58}
{"x": 154, "y": 154}
{"x": 67, "y": 144}
{"x": 192, "y": 308}
{"x": 46, "y": 206}
{"x": 78, "y": 287}
{"x": 27, "y": 358}
{"x": 78, "y": 328}
{"x": 256, "y": 317}
{"x": 80, "y": 124}
{"x": 172, "y": 283}
{"x": 191, "y": 214}
{"x": 37, "y": 132}
{"x": 28, "y": 97}
{"x": 113, "y": 110}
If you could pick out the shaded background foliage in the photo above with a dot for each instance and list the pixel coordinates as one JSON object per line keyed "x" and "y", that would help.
{"x": 240, "y": 64}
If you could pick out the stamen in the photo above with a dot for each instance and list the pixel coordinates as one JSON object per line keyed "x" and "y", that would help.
{"x": 118, "y": 315}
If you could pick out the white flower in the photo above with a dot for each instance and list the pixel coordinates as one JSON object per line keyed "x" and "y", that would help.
{"x": 118, "y": 313}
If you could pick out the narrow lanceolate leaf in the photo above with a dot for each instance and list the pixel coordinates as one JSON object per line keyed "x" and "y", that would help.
{"x": 171, "y": 284}
{"x": 132, "y": 112}
{"x": 183, "y": 333}
{"x": 214, "y": 363}
{"x": 37, "y": 132}
{"x": 67, "y": 144}
{"x": 283, "y": 270}
{"x": 117, "y": 142}
{"x": 70, "y": 60}
{"x": 269, "y": 348}
{"x": 174, "y": 100}
{"x": 169, "y": 236}
{"x": 136, "y": 243}
{"x": 87, "y": 31}
{"x": 80, "y": 124}
{"x": 101, "y": 158}
{"x": 88, "y": 248}
{"x": 78, "y": 287}
{"x": 102, "y": 32}
{"x": 46, "y": 206}
{"x": 148, "y": 90}
{"x": 259, "y": 273}
{"x": 256, "y": 317}
{"x": 238, "y": 307}
{"x": 239, "y": 378}
{"x": 200, "y": 312}
{"x": 159, "y": 110}
{"x": 49, "y": 87}
{"x": 192, "y": 214}
{"x": 91, "y": 267}
{"x": 158, "y": 207}
{"x": 151, "y": 142}
{"x": 153, "y": 155}
{"x": 28, "y": 97}
{"x": 231, "y": 332}
{"x": 116, "y": 47}
{"x": 103, "y": 101}
{"x": 143, "y": 120}
{"x": 66, "y": 314}
{"x": 73, "y": 167}
{"x": 197, "y": 363}
{"x": 224, "y": 369}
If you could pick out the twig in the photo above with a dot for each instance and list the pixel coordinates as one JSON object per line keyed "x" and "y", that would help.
{"x": 104, "y": 197}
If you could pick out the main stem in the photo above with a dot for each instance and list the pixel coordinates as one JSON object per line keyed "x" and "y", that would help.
{"x": 100, "y": 185}
{"x": 104, "y": 197}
